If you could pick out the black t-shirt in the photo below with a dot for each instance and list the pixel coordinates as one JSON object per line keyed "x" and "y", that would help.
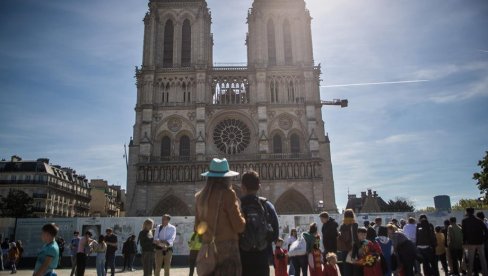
{"x": 112, "y": 239}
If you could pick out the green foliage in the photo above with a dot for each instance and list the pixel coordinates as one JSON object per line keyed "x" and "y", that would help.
{"x": 466, "y": 202}
{"x": 17, "y": 204}
{"x": 399, "y": 205}
{"x": 482, "y": 176}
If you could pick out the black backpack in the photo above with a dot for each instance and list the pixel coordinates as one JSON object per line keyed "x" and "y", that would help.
{"x": 258, "y": 231}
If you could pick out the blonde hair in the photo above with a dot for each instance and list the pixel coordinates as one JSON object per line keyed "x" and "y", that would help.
{"x": 203, "y": 196}
{"x": 391, "y": 226}
{"x": 148, "y": 224}
{"x": 330, "y": 256}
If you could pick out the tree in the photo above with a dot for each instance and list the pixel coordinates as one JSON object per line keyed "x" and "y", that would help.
{"x": 399, "y": 205}
{"x": 466, "y": 202}
{"x": 428, "y": 209}
{"x": 482, "y": 176}
{"x": 17, "y": 204}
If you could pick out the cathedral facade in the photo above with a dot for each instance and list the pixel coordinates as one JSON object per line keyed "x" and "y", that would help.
{"x": 265, "y": 116}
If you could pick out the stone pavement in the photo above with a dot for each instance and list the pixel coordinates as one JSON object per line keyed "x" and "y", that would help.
{"x": 92, "y": 272}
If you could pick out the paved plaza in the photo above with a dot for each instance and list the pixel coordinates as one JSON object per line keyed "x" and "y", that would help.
{"x": 180, "y": 271}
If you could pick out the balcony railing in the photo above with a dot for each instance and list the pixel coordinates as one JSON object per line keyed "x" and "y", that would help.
{"x": 237, "y": 157}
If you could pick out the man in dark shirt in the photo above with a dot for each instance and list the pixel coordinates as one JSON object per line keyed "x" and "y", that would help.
{"x": 371, "y": 234}
{"x": 111, "y": 241}
{"x": 426, "y": 244}
{"x": 256, "y": 263}
{"x": 329, "y": 233}
{"x": 474, "y": 237}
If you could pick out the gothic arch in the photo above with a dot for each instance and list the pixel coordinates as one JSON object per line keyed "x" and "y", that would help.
{"x": 273, "y": 140}
{"x": 186, "y": 43}
{"x": 293, "y": 202}
{"x": 171, "y": 205}
{"x": 287, "y": 42}
{"x": 185, "y": 125}
{"x": 294, "y": 134}
{"x": 168, "y": 43}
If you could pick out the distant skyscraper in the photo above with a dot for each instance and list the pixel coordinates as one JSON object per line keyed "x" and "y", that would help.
{"x": 265, "y": 116}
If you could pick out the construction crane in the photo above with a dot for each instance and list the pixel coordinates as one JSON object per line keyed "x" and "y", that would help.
{"x": 341, "y": 102}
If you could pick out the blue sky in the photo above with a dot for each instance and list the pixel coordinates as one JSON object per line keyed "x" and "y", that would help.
{"x": 67, "y": 90}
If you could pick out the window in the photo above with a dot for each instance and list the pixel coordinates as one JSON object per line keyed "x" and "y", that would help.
{"x": 273, "y": 90}
{"x": 186, "y": 93}
{"x": 287, "y": 43}
{"x": 295, "y": 143}
{"x": 184, "y": 146}
{"x": 277, "y": 144}
{"x": 291, "y": 92}
{"x": 271, "y": 43}
{"x": 165, "y": 148}
{"x": 168, "y": 44}
{"x": 186, "y": 44}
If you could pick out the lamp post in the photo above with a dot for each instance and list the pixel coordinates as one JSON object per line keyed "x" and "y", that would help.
{"x": 320, "y": 206}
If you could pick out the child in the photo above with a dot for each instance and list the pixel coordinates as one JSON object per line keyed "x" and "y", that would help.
{"x": 280, "y": 259}
{"x": 315, "y": 259}
{"x": 330, "y": 268}
{"x": 47, "y": 260}
{"x": 100, "y": 248}
{"x": 13, "y": 256}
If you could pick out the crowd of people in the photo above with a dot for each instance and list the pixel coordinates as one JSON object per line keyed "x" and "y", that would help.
{"x": 11, "y": 254}
{"x": 240, "y": 237}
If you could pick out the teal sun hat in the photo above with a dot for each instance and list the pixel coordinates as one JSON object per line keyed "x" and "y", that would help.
{"x": 219, "y": 168}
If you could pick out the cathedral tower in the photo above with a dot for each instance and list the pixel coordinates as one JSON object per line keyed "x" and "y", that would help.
{"x": 265, "y": 116}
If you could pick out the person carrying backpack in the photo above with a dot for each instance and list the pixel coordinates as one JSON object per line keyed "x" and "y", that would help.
{"x": 426, "y": 244}
{"x": 261, "y": 228}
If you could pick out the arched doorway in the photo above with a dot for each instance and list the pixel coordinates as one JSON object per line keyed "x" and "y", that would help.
{"x": 293, "y": 202}
{"x": 171, "y": 205}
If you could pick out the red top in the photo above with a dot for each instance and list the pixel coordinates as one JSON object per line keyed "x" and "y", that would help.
{"x": 330, "y": 270}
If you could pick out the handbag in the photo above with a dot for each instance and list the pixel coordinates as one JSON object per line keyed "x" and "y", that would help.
{"x": 298, "y": 247}
{"x": 207, "y": 256}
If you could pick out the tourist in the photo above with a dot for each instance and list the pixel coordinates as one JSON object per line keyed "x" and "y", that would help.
{"x": 293, "y": 237}
{"x": 378, "y": 221}
{"x": 164, "y": 238}
{"x": 371, "y": 235}
{"x": 112, "y": 243}
{"x": 410, "y": 231}
{"x": 329, "y": 233}
{"x": 440, "y": 249}
{"x": 20, "y": 247}
{"x": 366, "y": 255}
{"x": 219, "y": 219}
{"x": 4, "y": 253}
{"x": 2, "y": 268}
{"x": 315, "y": 255}
{"x": 47, "y": 259}
{"x": 100, "y": 248}
{"x": 60, "y": 242}
{"x": 13, "y": 256}
{"x": 386, "y": 248}
{"x": 448, "y": 254}
{"x": 145, "y": 239}
{"x": 129, "y": 250}
{"x": 330, "y": 267}
{"x": 405, "y": 250}
{"x": 262, "y": 229}
{"x": 455, "y": 244}
{"x": 84, "y": 249}
{"x": 426, "y": 243}
{"x": 347, "y": 238}
{"x": 474, "y": 236}
{"x": 75, "y": 241}
{"x": 280, "y": 259}
{"x": 195, "y": 244}
{"x": 481, "y": 216}
{"x": 402, "y": 223}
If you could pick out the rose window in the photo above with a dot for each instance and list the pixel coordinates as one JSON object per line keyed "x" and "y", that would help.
{"x": 231, "y": 136}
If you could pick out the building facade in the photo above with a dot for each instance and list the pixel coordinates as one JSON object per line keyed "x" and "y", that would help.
{"x": 106, "y": 200}
{"x": 265, "y": 116}
{"x": 57, "y": 191}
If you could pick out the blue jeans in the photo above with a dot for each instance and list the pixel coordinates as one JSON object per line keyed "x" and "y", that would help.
{"x": 100, "y": 264}
{"x": 300, "y": 263}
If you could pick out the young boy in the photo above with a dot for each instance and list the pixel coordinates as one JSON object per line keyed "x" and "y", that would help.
{"x": 48, "y": 258}
{"x": 280, "y": 259}
{"x": 13, "y": 256}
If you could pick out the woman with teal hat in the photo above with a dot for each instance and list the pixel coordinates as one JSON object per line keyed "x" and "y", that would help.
{"x": 219, "y": 220}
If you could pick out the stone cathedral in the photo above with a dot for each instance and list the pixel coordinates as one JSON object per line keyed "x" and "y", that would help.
{"x": 265, "y": 116}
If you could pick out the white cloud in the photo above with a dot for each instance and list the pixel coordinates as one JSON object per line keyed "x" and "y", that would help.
{"x": 475, "y": 89}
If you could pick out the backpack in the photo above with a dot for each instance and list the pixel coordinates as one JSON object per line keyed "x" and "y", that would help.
{"x": 258, "y": 231}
